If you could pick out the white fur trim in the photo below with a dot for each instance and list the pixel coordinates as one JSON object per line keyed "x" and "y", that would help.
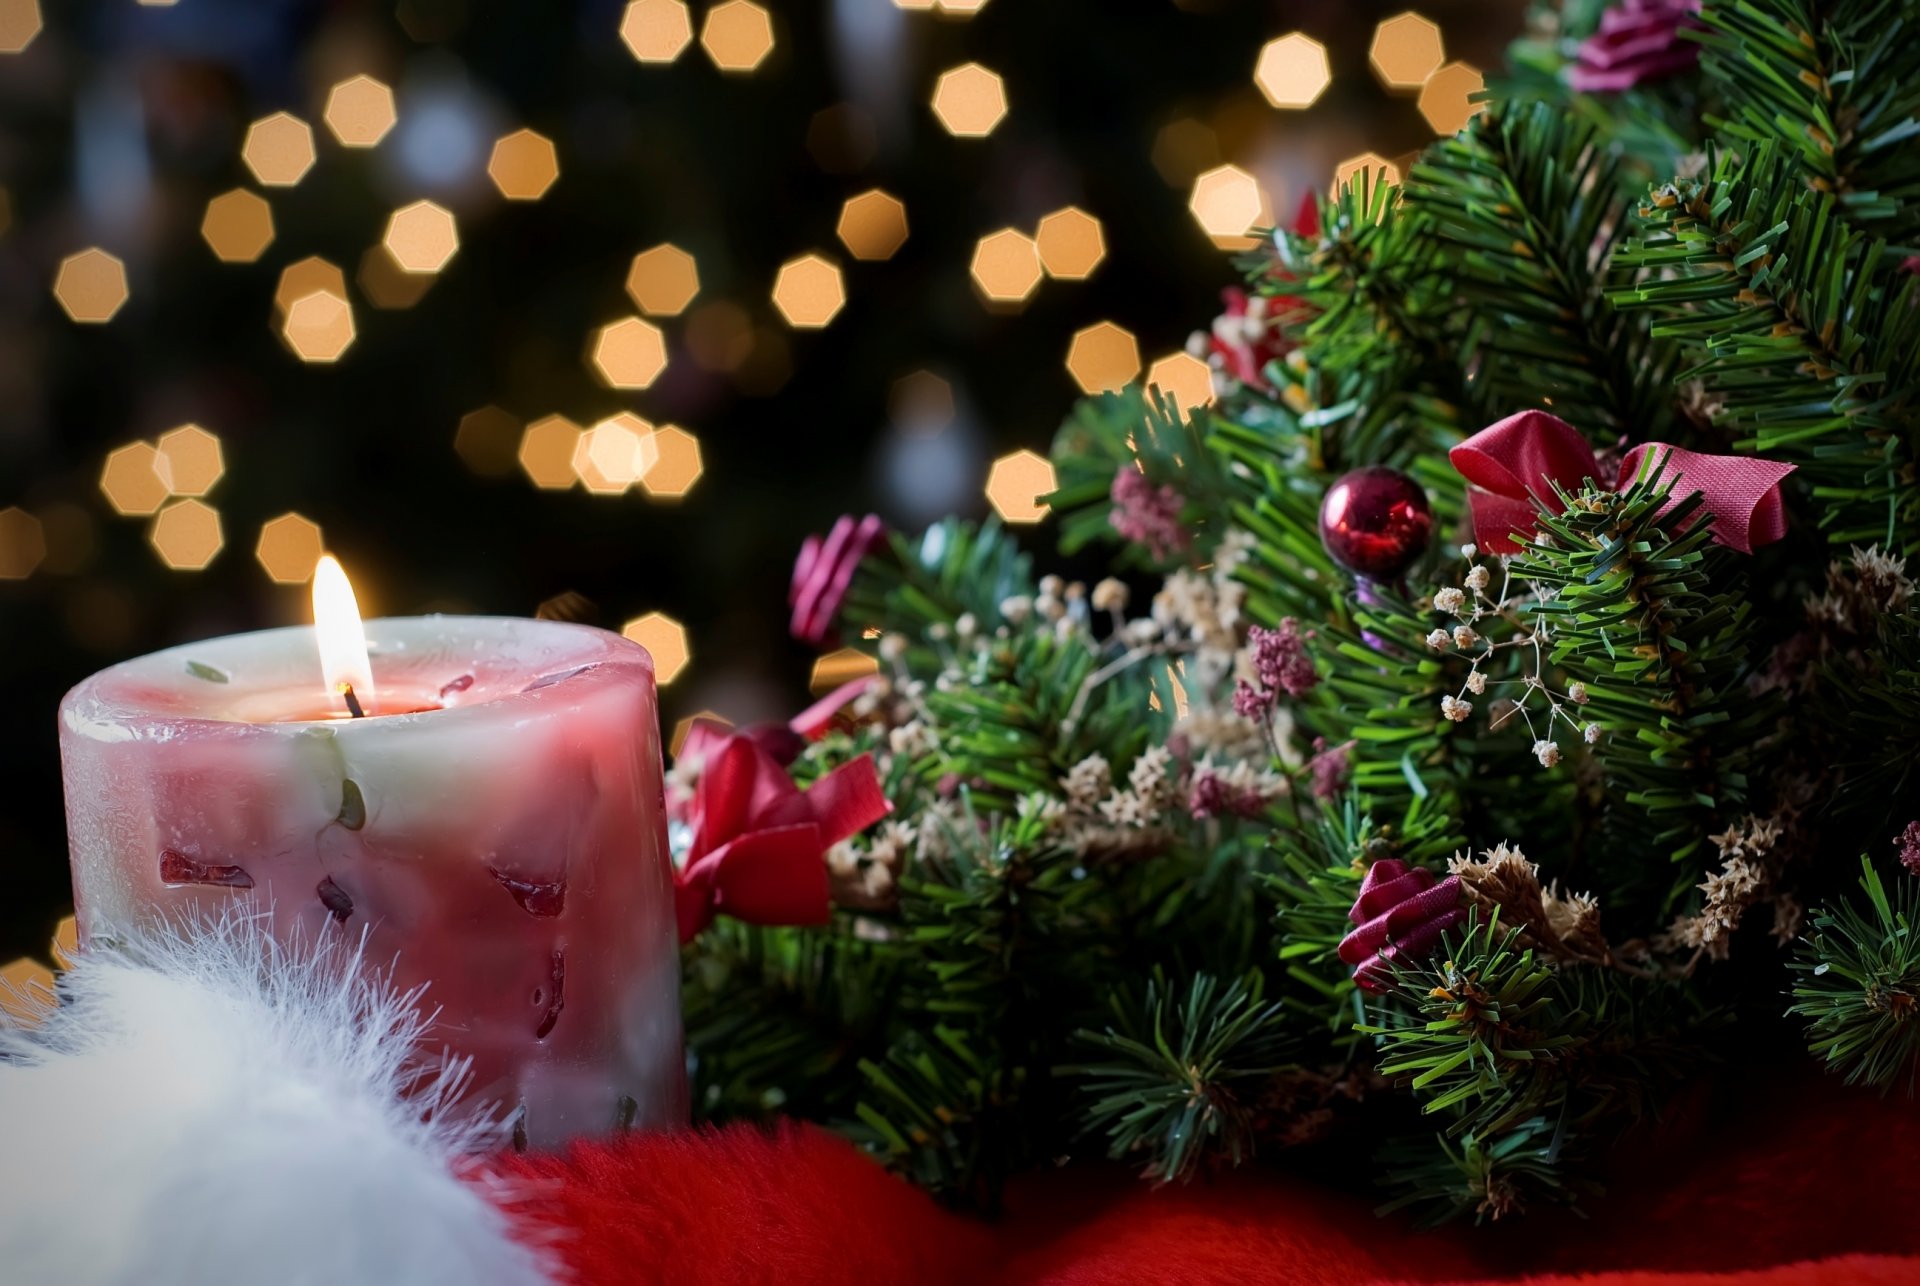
{"x": 210, "y": 1108}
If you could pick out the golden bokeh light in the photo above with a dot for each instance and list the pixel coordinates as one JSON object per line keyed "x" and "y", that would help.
{"x": 66, "y": 941}
{"x": 1445, "y": 98}
{"x": 963, "y": 8}
{"x": 131, "y": 481}
{"x": 1006, "y": 266}
{"x": 1103, "y": 357}
{"x": 1071, "y": 244}
{"x": 319, "y": 327}
{"x": 664, "y": 638}
{"x": 488, "y": 441}
{"x": 19, "y": 24}
{"x": 1015, "y": 484}
{"x": 305, "y": 277}
{"x": 1184, "y": 378}
{"x": 279, "y": 150}
{"x": 840, "y": 666}
{"x": 186, "y": 535}
{"x": 1377, "y": 168}
{"x": 656, "y": 31}
{"x": 916, "y": 6}
{"x": 873, "y": 225}
{"x": 809, "y": 292}
{"x": 614, "y": 454}
{"x": 921, "y": 403}
{"x": 523, "y": 165}
{"x": 711, "y": 718}
{"x": 737, "y": 35}
{"x": 546, "y": 452}
{"x": 288, "y": 548}
{"x": 629, "y": 353}
{"x": 238, "y": 226}
{"x": 1227, "y": 202}
{"x": 1292, "y": 70}
{"x": 386, "y": 284}
{"x": 421, "y": 237}
{"x": 188, "y": 460}
{"x": 663, "y": 280}
{"x": 91, "y": 285}
{"x": 970, "y": 101}
{"x": 360, "y": 111}
{"x": 1406, "y": 50}
{"x": 23, "y": 544}
{"x": 676, "y": 464}
{"x": 1183, "y": 148}
{"x": 26, "y": 985}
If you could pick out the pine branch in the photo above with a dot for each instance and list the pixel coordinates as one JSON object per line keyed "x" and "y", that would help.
{"x": 1523, "y": 208}
{"x": 954, "y": 568}
{"x": 1802, "y": 325}
{"x": 1859, "y": 984}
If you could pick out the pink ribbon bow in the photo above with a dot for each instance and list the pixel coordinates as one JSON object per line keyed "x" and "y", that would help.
{"x": 759, "y": 841}
{"x": 824, "y": 571}
{"x": 1401, "y": 914}
{"x": 1513, "y": 465}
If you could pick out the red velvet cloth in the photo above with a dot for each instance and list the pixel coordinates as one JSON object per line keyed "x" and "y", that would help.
{"x": 1807, "y": 1183}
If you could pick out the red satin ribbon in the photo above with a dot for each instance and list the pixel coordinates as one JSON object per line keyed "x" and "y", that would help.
{"x": 759, "y": 840}
{"x": 1513, "y": 465}
{"x": 1401, "y": 914}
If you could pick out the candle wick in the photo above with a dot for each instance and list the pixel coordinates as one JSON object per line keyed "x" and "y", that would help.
{"x": 353, "y": 702}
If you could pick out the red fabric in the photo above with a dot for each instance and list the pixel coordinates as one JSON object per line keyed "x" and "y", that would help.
{"x": 1804, "y": 1183}
{"x": 759, "y": 840}
{"x": 1514, "y": 464}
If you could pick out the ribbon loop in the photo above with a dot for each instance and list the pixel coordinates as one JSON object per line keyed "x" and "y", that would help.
{"x": 1513, "y": 467}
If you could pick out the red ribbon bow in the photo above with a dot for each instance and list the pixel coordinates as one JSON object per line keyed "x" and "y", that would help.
{"x": 759, "y": 840}
{"x": 1513, "y": 466}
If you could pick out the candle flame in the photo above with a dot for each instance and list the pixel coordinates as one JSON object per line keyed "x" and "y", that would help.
{"x": 343, "y": 642}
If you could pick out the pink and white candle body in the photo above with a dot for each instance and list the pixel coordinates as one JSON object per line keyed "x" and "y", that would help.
{"x": 495, "y": 826}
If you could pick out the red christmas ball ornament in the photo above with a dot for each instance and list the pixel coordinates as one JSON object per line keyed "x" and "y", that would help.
{"x": 1401, "y": 912}
{"x": 1375, "y": 522}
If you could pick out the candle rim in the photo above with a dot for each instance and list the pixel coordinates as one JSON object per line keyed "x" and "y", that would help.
{"x": 93, "y": 707}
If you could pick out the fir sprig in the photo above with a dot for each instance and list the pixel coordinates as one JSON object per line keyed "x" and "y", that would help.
{"x": 1859, "y": 983}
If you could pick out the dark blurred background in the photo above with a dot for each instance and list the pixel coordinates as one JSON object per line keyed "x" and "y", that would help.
{"x": 123, "y": 127}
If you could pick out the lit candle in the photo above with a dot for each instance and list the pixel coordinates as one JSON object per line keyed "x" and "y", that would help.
{"x": 480, "y": 796}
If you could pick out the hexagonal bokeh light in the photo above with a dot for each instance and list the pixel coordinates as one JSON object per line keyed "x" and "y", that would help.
{"x": 970, "y": 101}
{"x": 677, "y": 464}
{"x": 872, "y": 225}
{"x": 289, "y": 547}
{"x": 684, "y": 725}
{"x": 188, "y": 460}
{"x": 737, "y": 35}
{"x": 1292, "y": 70}
{"x": 839, "y": 667}
{"x": 19, "y": 24}
{"x": 488, "y": 441}
{"x": 186, "y": 535}
{"x": 421, "y": 237}
{"x": 656, "y": 31}
{"x": 1406, "y": 49}
{"x": 1015, "y": 484}
{"x": 131, "y": 481}
{"x": 1071, "y": 244}
{"x": 1184, "y": 378}
{"x": 359, "y": 111}
{"x": 1103, "y": 357}
{"x": 319, "y": 327}
{"x": 386, "y": 284}
{"x": 546, "y": 452}
{"x": 1227, "y": 202}
{"x": 614, "y": 454}
{"x": 23, "y": 543}
{"x": 666, "y": 639}
{"x": 523, "y": 165}
{"x": 809, "y": 291}
{"x": 278, "y": 149}
{"x": 1445, "y": 100}
{"x": 91, "y": 285}
{"x": 1006, "y": 266}
{"x": 663, "y": 280}
{"x": 305, "y": 277}
{"x": 238, "y": 226}
{"x": 26, "y": 985}
{"x": 629, "y": 353}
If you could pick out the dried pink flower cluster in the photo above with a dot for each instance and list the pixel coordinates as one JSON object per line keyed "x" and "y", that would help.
{"x": 1909, "y": 842}
{"x": 1330, "y": 768}
{"x": 1280, "y": 664}
{"x": 1146, "y": 514}
{"x": 1212, "y": 795}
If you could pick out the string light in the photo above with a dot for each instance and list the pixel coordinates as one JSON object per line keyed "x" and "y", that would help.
{"x": 188, "y": 460}
{"x": 289, "y": 548}
{"x": 130, "y": 479}
{"x": 360, "y": 111}
{"x": 1015, "y": 484}
{"x": 19, "y": 24}
{"x": 1103, "y": 357}
{"x": 1445, "y": 100}
{"x": 738, "y": 35}
{"x": 238, "y": 226}
{"x": 278, "y": 149}
{"x": 1406, "y": 50}
{"x": 1006, "y": 267}
{"x": 664, "y": 638}
{"x": 1292, "y": 71}
{"x": 1184, "y": 378}
{"x": 91, "y": 286}
{"x": 872, "y": 225}
{"x": 809, "y": 291}
{"x": 663, "y": 280}
{"x": 186, "y": 535}
{"x": 421, "y": 237}
{"x": 629, "y": 353}
{"x": 970, "y": 101}
{"x": 523, "y": 165}
{"x": 656, "y": 31}
{"x": 1071, "y": 244}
